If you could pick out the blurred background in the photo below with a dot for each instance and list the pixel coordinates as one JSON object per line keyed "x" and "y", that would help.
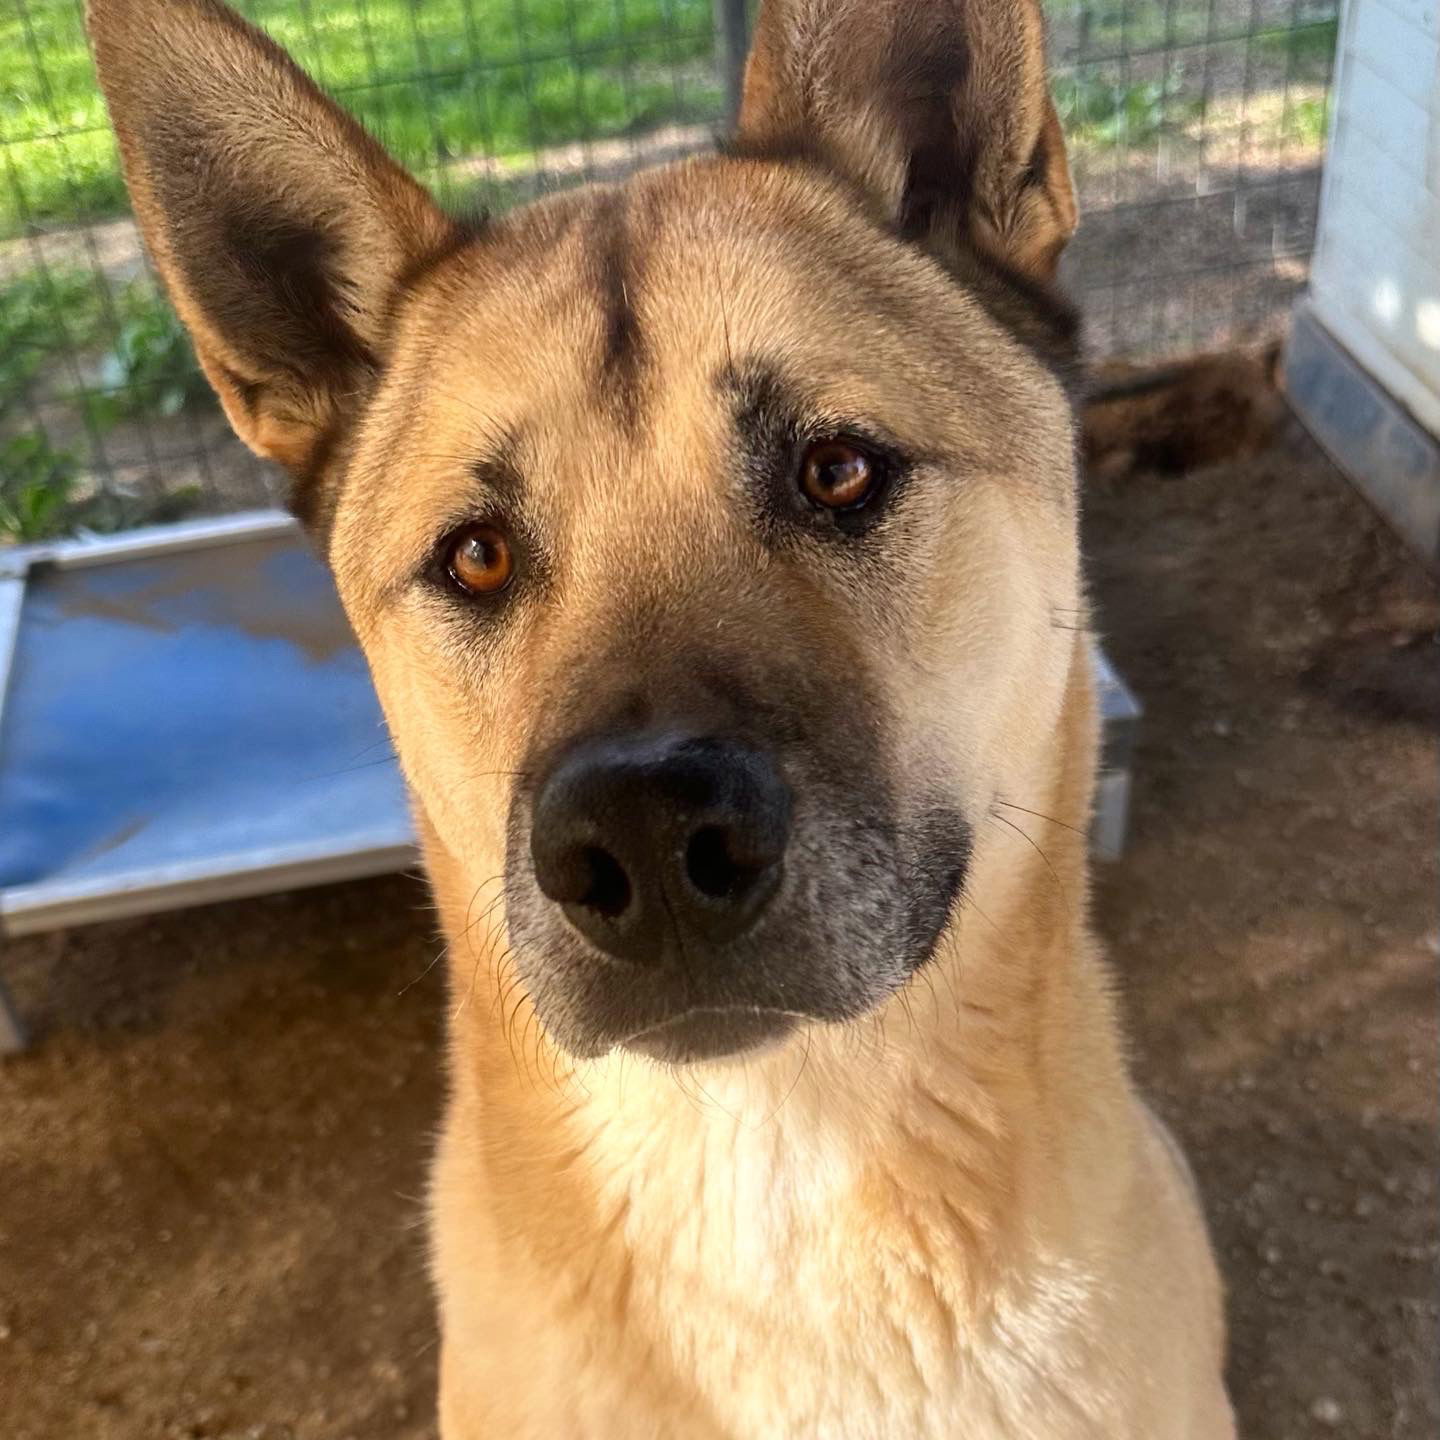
{"x": 1196, "y": 131}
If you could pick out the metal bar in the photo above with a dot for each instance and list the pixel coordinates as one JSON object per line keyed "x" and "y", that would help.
{"x": 12, "y": 597}
{"x": 1111, "y": 817}
{"x": 1120, "y": 714}
{"x": 151, "y": 540}
{"x": 32, "y": 909}
{"x": 732, "y": 41}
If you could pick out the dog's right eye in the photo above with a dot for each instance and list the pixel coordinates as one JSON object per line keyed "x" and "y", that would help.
{"x": 479, "y": 559}
{"x": 838, "y": 475}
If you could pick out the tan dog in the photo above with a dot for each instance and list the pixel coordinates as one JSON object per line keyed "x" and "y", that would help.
{"x": 712, "y": 540}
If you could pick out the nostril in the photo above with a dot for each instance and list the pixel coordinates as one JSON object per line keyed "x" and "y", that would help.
{"x": 608, "y": 890}
{"x": 710, "y": 867}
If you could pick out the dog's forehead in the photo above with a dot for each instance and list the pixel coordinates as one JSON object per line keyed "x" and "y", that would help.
{"x": 589, "y": 337}
{"x": 605, "y": 308}
{"x": 614, "y": 284}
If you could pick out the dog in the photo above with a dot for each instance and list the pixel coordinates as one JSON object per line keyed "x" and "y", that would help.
{"x": 711, "y": 538}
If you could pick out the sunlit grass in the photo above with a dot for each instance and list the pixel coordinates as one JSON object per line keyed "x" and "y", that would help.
{"x": 435, "y": 79}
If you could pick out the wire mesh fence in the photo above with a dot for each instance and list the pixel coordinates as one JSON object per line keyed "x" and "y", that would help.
{"x": 1196, "y": 132}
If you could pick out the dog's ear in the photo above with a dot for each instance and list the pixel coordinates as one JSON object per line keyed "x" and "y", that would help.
{"x": 939, "y": 109}
{"x": 280, "y": 227}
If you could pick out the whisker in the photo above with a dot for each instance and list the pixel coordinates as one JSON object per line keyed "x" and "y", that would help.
{"x": 804, "y": 1062}
{"x": 1054, "y": 875}
{"x": 723, "y": 1109}
{"x": 470, "y": 924}
{"x": 679, "y": 1083}
{"x": 1040, "y": 815}
{"x": 506, "y": 988}
{"x": 409, "y": 985}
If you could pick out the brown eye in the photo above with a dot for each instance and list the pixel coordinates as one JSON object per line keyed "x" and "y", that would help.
{"x": 838, "y": 475}
{"x": 479, "y": 559}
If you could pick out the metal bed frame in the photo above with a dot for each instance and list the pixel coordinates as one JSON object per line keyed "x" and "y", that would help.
{"x": 184, "y": 718}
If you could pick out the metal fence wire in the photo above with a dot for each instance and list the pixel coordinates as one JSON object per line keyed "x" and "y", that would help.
{"x": 1196, "y": 131}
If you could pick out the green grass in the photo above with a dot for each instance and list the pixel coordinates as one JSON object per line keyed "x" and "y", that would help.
{"x": 127, "y": 359}
{"x": 131, "y": 354}
{"x": 149, "y": 368}
{"x": 43, "y": 313}
{"x": 435, "y": 79}
{"x": 1307, "y": 121}
{"x": 1107, "y": 28}
{"x": 1308, "y": 50}
{"x": 41, "y": 496}
{"x": 442, "y": 81}
{"x": 1101, "y": 113}
{"x": 1125, "y": 26}
{"x": 36, "y": 486}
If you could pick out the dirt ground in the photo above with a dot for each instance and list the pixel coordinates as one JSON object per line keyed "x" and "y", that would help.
{"x": 213, "y": 1160}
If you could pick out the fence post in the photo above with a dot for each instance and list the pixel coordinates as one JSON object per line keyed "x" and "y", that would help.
{"x": 732, "y": 40}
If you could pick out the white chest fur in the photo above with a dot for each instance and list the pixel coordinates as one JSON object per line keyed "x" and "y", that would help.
{"x": 821, "y": 1268}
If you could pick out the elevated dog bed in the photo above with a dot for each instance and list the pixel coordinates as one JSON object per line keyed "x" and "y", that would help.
{"x": 185, "y": 717}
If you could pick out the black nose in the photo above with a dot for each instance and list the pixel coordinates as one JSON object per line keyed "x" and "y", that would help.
{"x": 650, "y": 841}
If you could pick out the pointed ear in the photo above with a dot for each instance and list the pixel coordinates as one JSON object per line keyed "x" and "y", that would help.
{"x": 280, "y": 228}
{"x": 939, "y": 109}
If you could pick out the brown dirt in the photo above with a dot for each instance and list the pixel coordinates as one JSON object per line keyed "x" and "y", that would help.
{"x": 213, "y": 1158}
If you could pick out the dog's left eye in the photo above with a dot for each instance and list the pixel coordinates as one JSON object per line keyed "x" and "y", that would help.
{"x": 839, "y": 475}
{"x": 479, "y": 559}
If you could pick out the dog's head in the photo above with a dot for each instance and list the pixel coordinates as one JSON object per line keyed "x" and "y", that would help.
{"x": 705, "y": 534}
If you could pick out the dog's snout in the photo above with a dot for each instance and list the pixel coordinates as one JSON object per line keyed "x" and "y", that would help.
{"x": 650, "y": 841}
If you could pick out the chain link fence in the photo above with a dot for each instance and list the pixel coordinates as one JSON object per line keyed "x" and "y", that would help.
{"x": 1196, "y": 132}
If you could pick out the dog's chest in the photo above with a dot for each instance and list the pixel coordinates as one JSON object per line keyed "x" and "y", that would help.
{"x": 813, "y": 1300}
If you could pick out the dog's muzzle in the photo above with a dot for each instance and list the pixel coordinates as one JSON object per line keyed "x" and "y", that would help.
{"x": 664, "y": 850}
{"x": 691, "y": 893}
